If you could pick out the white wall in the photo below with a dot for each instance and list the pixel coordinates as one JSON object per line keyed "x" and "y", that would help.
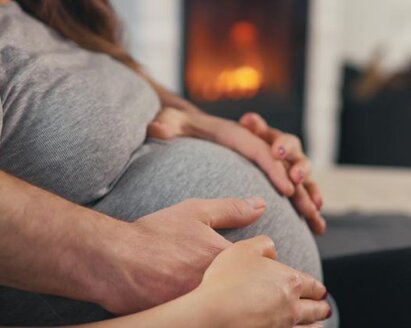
{"x": 378, "y": 24}
{"x": 154, "y": 36}
{"x": 323, "y": 81}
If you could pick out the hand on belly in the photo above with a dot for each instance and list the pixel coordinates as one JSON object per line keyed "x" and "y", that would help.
{"x": 279, "y": 155}
{"x": 164, "y": 254}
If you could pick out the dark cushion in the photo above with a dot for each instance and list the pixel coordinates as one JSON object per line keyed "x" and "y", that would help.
{"x": 367, "y": 268}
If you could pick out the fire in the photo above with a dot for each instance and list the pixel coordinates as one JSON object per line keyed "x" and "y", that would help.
{"x": 236, "y": 74}
{"x": 236, "y": 83}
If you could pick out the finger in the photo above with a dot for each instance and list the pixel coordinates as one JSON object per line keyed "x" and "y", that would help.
{"x": 159, "y": 130}
{"x": 283, "y": 145}
{"x": 314, "y": 192}
{"x": 225, "y": 213}
{"x": 314, "y": 325}
{"x": 287, "y": 146}
{"x": 257, "y": 151}
{"x": 305, "y": 206}
{"x": 300, "y": 170}
{"x": 262, "y": 245}
{"x": 257, "y": 125}
{"x": 310, "y": 311}
{"x": 311, "y": 288}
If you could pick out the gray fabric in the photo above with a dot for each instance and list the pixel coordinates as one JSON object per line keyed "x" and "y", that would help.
{"x": 170, "y": 172}
{"x": 74, "y": 123}
{"x": 72, "y": 120}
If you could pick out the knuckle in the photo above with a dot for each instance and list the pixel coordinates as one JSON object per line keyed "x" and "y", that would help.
{"x": 237, "y": 207}
{"x": 311, "y": 282}
{"x": 194, "y": 206}
{"x": 311, "y": 213}
{"x": 292, "y": 138}
{"x": 294, "y": 283}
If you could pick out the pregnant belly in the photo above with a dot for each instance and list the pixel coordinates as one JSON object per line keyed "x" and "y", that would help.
{"x": 166, "y": 173}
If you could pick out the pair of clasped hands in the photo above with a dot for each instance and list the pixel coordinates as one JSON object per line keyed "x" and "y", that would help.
{"x": 256, "y": 290}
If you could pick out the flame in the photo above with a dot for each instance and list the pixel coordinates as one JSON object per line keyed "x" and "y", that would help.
{"x": 236, "y": 74}
{"x": 241, "y": 82}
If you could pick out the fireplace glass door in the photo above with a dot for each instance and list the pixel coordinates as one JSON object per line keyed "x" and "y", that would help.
{"x": 243, "y": 55}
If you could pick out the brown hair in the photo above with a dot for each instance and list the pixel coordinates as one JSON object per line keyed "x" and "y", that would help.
{"x": 92, "y": 24}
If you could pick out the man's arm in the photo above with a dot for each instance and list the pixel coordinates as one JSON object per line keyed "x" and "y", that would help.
{"x": 45, "y": 241}
{"x": 49, "y": 245}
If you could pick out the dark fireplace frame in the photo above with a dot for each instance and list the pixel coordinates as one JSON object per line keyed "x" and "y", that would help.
{"x": 286, "y": 116}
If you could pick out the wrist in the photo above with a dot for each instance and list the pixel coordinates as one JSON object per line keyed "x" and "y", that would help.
{"x": 91, "y": 258}
{"x": 202, "y": 308}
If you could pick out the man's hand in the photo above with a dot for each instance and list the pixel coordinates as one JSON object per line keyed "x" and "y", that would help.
{"x": 279, "y": 155}
{"x": 164, "y": 255}
{"x": 51, "y": 246}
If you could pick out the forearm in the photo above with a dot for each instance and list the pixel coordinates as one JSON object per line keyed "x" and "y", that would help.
{"x": 45, "y": 241}
{"x": 194, "y": 310}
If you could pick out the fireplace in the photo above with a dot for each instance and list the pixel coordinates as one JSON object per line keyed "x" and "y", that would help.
{"x": 242, "y": 55}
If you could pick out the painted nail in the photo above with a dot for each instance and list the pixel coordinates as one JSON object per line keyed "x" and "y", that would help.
{"x": 281, "y": 151}
{"x": 329, "y": 314}
{"x": 256, "y": 202}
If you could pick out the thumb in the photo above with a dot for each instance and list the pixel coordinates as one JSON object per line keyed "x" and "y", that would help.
{"x": 255, "y": 124}
{"x": 158, "y": 130}
{"x": 228, "y": 212}
{"x": 262, "y": 245}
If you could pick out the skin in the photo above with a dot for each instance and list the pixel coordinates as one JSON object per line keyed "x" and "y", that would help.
{"x": 243, "y": 287}
{"x": 63, "y": 260}
{"x": 117, "y": 266}
{"x": 278, "y": 154}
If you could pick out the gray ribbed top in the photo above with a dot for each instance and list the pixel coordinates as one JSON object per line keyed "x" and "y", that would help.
{"x": 71, "y": 120}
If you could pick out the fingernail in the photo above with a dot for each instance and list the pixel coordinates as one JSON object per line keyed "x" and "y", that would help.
{"x": 325, "y": 295}
{"x": 329, "y": 314}
{"x": 281, "y": 151}
{"x": 256, "y": 202}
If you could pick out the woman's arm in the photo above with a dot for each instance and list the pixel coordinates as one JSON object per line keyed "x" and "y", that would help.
{"x": 279, "y": 155}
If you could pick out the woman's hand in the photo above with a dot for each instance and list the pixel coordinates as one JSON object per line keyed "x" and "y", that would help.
{"x": 242, "y": 288}
{"x": 287, "y": 148}
{"x": 278, "y": 155}
{"x": 163, "y": 255}
{"x": 249, "y": 289}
